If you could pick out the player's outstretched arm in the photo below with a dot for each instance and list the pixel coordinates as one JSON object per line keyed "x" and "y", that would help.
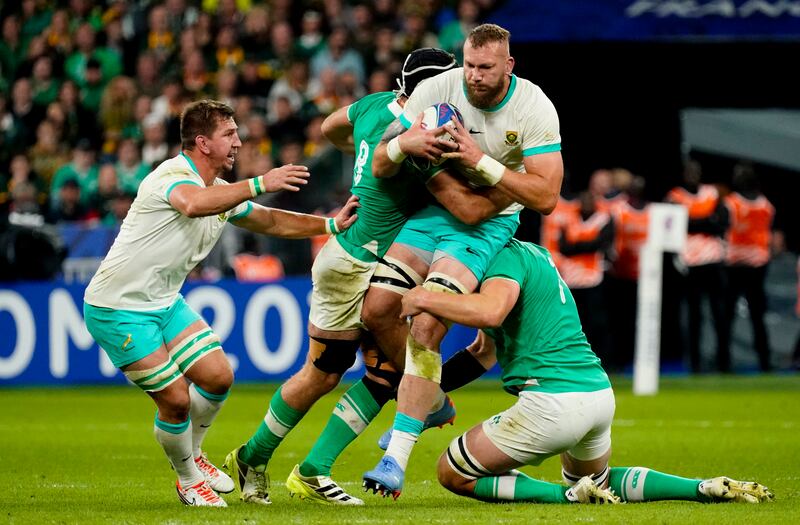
{"x": 291, "y": 225}
{"x": 538, "y": 188}
{"x": 398, "y": 143}
{"x": 485, "y": 309}
{"x": 338, "y": 129}
{"x": 467, "y": 204}
{"x": 198, "y": 201}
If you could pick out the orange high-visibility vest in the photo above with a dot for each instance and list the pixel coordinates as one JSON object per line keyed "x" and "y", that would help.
{"x": 257, "y": 268}
{"x": 631, "y": 234}
{"x": 701, "y": 248}
{"x": 565, "y": 211}
{"x": 583, "y": 270}
{"x": 750, "y": 231}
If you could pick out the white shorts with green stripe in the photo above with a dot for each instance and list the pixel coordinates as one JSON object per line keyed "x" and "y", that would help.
{"x": 541, "y": 425}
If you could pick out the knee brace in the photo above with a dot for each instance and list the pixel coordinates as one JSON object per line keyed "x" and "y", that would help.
{"x": 380, "y": 366}
{"x": 332, "y": 356}
{"x": 394, "y": 275}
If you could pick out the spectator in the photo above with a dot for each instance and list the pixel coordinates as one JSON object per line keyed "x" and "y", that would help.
{"x": 284, "y": 124}
{"x": 293, "y": 86}
{"x": 748, "y": 255}
{"x": 195, "y": 76}
{"x": 107, "y": 189}
{"x": 48, "y": 154}
{"x": 255, "y": 36}
{"x": 12, "y": 51}
{"x": 324, "y": 92}
{"x": 25, "y": 112}
{"x": 119, "y": 206}
{"x": 380, "y": 80}
{"x": 453, "y": 34}
{"x": 160, "y": 40}
{"x": 45, "y": 87}
{"x": 142, "y": 107}
{"x": 362, "y": 29}
{"x": 311, "y": 39}
{"x": 80, "y": 122}
{"x": 180, "y": 15}
{"x": 282, "y": 52}
{"x": 81, "y": 170}
{"x": 228, "y": 51}
{"x": 414, "y": 34}
{"x": 337, "y": 55}
{"x": 226, "y": 86}
{"x": 70, "y": 205}
{"x": 20, "y": 172}
{"x": 24, "y": 208}
{"x": 107, "y": 61}
{"x": 93, "y": 86}
{"x": 58, "y": 35}
{"x": 148, "y": 80}
{"x": 155, "y": 148}
{"x": 131, "y": 171}
{"x": 117, "y": 107}
{"x": 385, "y": 56}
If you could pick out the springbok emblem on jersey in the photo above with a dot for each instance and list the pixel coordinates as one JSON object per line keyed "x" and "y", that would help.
{"x": 512, "y": 137}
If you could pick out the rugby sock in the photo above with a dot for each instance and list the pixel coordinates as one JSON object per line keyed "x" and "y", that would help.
{"x": 460, "y": 369}
{"x": 280, "y": 419}
{"x": 405, "y": 432}
{"x": 351, "y": 415}
{"x": 643, "y": 484}
{"x": 517, "y": 486}
{"x": 176, "y": 440}
{"x": 204, "y": 408}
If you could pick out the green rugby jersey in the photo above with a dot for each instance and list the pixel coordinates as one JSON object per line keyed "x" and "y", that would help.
{"x": 540, "y": 345}
{"x": 385, "y": 203}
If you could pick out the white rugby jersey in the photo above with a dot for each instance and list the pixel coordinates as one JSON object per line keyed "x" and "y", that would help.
{"x": 157, "y": 246}
{"x": 524, "y": 123}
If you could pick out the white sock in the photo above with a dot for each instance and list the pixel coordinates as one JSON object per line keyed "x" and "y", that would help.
{"x": 204, "y": 408}
{"x": 176, "y": 440}
{"x": 400, "y": 446}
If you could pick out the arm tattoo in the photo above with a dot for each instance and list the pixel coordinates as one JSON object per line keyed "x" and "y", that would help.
{"x": 395, "y": 129}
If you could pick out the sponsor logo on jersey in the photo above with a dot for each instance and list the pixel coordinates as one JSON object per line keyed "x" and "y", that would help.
{"x": 512, "y": 138}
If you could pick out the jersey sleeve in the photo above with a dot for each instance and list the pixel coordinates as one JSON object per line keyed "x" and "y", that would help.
{"x": 354, "y": 111}
{"x": 541, "y": 133}
{"x": 171, "y": 179}
{"x": 507, "y": 264}
{"x": 426, "y": 94}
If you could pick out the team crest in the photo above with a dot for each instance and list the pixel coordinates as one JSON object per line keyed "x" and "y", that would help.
{"x": 511, "y": 138}
{"x": 223, "y": 216}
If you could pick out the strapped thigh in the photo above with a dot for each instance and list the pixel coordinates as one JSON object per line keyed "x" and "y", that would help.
{"x": 193, "y": 347}
{"x": 461, "y": 461}
{"x": 395, "y": 275}
{"x": 155, "y": 379}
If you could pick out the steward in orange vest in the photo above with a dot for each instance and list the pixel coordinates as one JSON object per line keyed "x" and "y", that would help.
{"x": 749, "y": 237}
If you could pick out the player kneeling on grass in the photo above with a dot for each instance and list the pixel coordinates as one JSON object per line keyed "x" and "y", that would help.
{"x": 565, "y": 402}
{"x": 132, "y": 306}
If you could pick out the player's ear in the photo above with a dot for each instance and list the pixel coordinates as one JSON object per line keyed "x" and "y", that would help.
{"x": 200, "y": 142}
{"x": 509, "y": 65}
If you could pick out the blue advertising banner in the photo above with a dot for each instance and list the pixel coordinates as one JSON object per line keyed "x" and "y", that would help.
{"x": 649, "y": 20}
{"x": 44, "y": 341}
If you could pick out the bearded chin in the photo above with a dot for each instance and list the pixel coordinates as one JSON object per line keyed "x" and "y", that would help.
{"x": 485, "y": 99}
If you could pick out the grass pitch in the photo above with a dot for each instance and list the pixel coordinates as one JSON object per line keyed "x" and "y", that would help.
{"x": 87, "y": 455}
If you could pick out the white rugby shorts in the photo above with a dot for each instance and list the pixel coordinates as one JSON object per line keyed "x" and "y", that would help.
{"x": 541, "y": 425}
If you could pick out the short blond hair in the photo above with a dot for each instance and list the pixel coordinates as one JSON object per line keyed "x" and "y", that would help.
{"x": 488, "y": 33}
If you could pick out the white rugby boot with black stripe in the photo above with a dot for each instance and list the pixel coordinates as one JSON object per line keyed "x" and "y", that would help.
{"x": 319, "y": 489}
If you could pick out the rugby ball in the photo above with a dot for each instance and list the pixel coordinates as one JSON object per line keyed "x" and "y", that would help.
{"x": 440, "y": 114}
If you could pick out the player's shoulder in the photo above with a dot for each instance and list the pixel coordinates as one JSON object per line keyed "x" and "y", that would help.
{"x": 528, "y": 97}
{"x": 171, "y": 170}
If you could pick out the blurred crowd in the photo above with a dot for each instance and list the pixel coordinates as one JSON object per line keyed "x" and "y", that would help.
{"x": 91, "y": 92}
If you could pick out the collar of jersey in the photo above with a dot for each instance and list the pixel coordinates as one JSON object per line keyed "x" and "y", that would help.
{"x": 191, "y": 163}
{"x": 395, "y": 108}
{"x": 512, "y": 86}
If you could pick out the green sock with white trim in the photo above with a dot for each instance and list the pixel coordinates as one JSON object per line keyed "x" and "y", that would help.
{"x": 643, "y": 484}
{"x": 203, "y": 409}
{"x": 280, "y": 419}
{"x": 176, "y": 440}
{"x": 517, "y": 486}
{"x": 351, "y": 415}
